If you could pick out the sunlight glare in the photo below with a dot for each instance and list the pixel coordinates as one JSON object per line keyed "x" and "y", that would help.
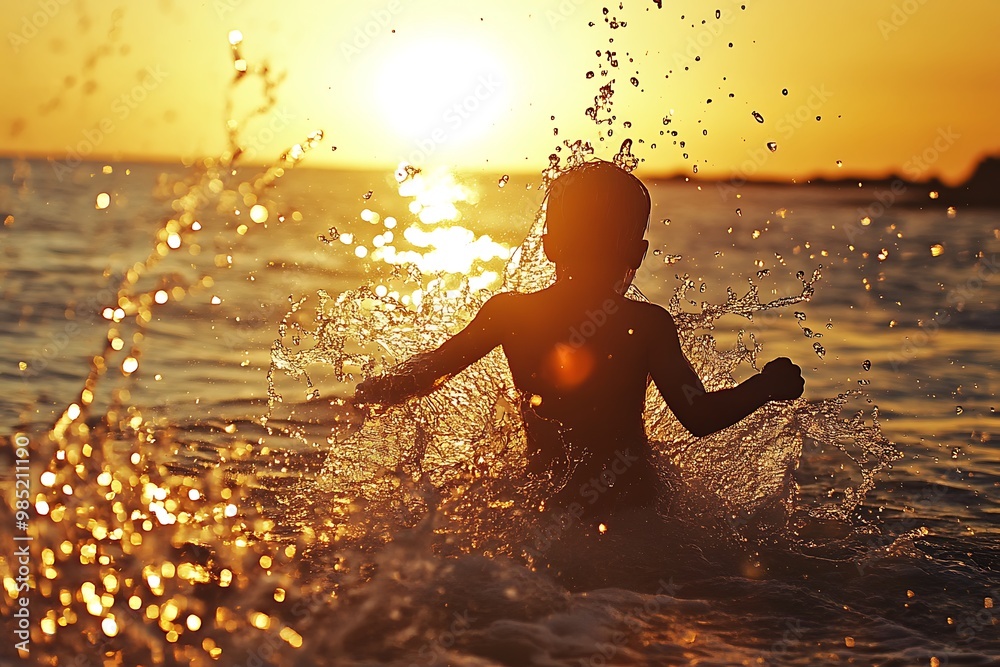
{"x": 440, "y": 91}
{"x": 442, "y": 248}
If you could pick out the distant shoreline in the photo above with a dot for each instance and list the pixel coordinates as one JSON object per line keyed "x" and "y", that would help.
{"x": 982, "y": 188}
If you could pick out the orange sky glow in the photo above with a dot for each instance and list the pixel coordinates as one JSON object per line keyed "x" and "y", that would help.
{"x": 899, "y": 86}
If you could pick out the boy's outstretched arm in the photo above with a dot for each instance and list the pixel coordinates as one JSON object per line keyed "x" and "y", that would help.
{"x": 426, "y": 371}
{"x": 702, "y": 412}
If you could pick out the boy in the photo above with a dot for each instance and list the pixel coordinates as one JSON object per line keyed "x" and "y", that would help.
{"x": 584, "y": 353}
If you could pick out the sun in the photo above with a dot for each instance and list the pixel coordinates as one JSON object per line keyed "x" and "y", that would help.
{"x": 440, "y": 93}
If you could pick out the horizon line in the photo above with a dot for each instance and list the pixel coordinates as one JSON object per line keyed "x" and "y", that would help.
{"x": 736, "y": 179}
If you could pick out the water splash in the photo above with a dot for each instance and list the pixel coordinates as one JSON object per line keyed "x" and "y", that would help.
{"x": 460, "y": 451}
{"x": 139, "y": 556}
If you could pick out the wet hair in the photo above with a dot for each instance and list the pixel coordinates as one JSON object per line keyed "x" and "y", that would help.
{"x": 595, "y": 210}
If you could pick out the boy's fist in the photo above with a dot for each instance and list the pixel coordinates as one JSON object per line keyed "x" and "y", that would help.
{"x": 371, "y": 390}
{"x": 784, "y": 379}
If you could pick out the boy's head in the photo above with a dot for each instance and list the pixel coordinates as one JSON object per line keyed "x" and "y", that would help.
{"x": 595, "y": 219}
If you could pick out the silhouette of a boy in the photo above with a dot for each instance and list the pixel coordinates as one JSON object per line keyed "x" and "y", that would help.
{"x": 583, "y": 353}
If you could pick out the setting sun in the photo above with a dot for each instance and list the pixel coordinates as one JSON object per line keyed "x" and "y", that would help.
{"x": 437, "y": 93}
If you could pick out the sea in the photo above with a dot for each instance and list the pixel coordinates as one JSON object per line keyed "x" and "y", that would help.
{"x": 178, "y": 349}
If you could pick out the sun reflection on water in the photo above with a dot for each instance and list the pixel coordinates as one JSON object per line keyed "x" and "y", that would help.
{"x": 439, "y": 247}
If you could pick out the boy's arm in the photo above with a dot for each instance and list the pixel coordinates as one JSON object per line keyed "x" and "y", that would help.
{"x": 701, "y": 412}
{"x": 426, "y": 371}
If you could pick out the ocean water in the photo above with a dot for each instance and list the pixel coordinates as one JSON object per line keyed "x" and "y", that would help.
{"x": 203, "y": 491}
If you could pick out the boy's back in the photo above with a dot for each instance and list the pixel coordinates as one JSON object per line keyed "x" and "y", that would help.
{"x": 582, "y": 358}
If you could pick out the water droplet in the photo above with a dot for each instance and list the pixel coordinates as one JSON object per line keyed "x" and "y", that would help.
{"x": 739, "y": 212}
{"x": 368, "y": 195}
{"x": 800, "y": 274}
{"x": 807, "y": 332}
{"x": 634, "y": 81}
{"x": 503, "y": 180}
{"x": 800, "y": 316}
{"x": 867, "y": 365}
{"x": 258, "y": 213}
{"x": 718, "y": 13}
{"x": 772, "y": 146}
{"x": 959, "y": 409}
{"x": 657, "y": 252}
{"x": 757, "y": 117}
{"x": 784, "y": 91}
{"x": 840, "y": 163}
{"x": 763, "y": 272}
{"x": 820, "y": 350}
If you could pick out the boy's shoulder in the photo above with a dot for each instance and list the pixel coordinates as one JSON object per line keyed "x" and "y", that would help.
{"x": 504, "y": 300}
{"x": 646, "y": 309}
{"x": 506, "y": 305}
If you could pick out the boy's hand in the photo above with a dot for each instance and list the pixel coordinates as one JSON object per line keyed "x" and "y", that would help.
{"x": 784, "y": 379}
{"x": 370, "y": 391}
{"x": 383, "y": 391}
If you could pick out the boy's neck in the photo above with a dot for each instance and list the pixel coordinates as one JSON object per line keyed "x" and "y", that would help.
{"x": 589, "y": 284}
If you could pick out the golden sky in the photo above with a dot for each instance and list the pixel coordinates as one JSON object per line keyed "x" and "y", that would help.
{"x": 474, "y": 84}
